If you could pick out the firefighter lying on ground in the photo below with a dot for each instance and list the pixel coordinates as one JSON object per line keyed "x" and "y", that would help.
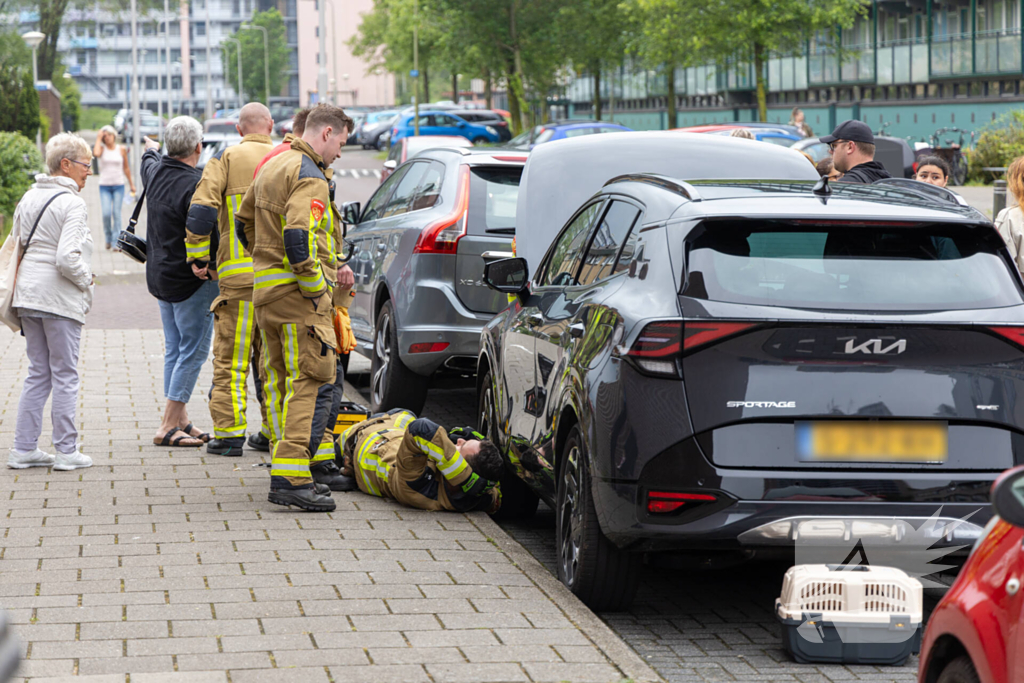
{"x": 414, "y": 462}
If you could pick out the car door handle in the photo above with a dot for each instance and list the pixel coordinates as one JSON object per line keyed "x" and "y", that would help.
{"x": 577, "y": 330}
{"x": 497, "y": 254}
{"x": 534, "y": 320}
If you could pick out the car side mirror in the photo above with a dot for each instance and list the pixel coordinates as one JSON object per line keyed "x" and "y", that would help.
{"x": 391, "y": 164}
{"x": 350, "y": 212}
{"x": 508, "y": 275}
{"x": 1008, "y": 496}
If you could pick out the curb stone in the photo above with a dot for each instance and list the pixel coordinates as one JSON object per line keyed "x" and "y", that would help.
{"x": 614, "y": 648}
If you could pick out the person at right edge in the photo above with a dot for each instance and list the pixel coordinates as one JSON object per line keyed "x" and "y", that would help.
{"x": 1010, "y": 221}
{"x": 210, "y": 236}
{"x": 852, "y": 145}
{"x": 279, "y": 222}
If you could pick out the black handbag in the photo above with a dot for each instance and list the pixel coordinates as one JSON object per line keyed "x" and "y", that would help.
{"x": 130, "y": 243}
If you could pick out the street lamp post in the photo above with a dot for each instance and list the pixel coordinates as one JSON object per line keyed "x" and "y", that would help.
{"x": 33, "y": 39}
{"x": 266, "y": 59}
{"x": 238, "y": 90}
{"x": 321, "y": 75}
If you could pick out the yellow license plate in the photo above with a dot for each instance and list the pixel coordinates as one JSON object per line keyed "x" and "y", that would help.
{"x": 872, "y": 441}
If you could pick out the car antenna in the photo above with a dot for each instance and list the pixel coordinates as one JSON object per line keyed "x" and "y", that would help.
{"x": 821, "y": 188}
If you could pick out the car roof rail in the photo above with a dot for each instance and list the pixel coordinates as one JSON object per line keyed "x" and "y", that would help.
{"x": 680, "y": 187}
{"x": 925, "y": 190}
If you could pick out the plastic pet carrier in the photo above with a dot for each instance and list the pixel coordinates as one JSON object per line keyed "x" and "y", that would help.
{"x": 850, "y": 614}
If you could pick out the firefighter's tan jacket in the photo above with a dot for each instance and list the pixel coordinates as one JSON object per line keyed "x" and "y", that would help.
{"x": 403, "y": 458}
{"x": 281, "y": 220}
{"x": 217, "y": 198}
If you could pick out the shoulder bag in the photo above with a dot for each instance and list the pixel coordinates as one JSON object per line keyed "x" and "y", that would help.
{"x": 133, "y": 246}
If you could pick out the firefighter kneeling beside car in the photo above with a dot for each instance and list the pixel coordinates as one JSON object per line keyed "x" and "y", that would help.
{"x": 414, "y": 462}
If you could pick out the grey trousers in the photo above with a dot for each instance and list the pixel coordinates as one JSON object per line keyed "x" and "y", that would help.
{"x": 52, "y": 347}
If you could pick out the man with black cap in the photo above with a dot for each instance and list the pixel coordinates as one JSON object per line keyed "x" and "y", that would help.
{"x": 852, "y": 145}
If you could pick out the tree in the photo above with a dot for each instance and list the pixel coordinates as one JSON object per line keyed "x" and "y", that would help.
{"x": 384, "y": 38}
{"x": 751, "y": 30}
{"x": 19, "y": 159}
{"x": 20, "y": 110}
{"x": 252, "y": 55}
{"x": 661, "y": 36}
{"x": 592, "y": 31}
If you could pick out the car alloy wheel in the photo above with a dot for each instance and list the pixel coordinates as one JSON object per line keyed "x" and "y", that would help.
{"x": 382, "y": 351}
{"x": 571, "y": 528}
{"x": 486, "y": 421}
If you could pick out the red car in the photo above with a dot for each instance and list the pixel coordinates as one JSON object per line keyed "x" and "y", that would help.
{"x": 976, "y": 633}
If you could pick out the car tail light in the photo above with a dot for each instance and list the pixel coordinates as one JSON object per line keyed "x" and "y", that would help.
{"x": 442, "y": 236}
{"x": 510, "y": 158}
{"x": 660, "y": 344}
{"x": 428, "y": 347}
{"x": 1014, "y": 333}
{"x": 667, "y": 502}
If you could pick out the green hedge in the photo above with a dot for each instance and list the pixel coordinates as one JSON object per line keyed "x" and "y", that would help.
{"x": 19, "y": 161}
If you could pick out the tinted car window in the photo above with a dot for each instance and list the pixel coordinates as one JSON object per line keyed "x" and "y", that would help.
{"x": 778, "y": 140}
{"x": 544, "y": 136}
{"x": 429, "y": 189}
{"x": 380, "y": 197}
{"x": 565, "y": 258}
{"x": 608, "y": 129}
{"x": 446, "y": 121}
{"x": 493, "y": 193}
{"x": 576, "y": 132}
{"x": 852, "y": 268}
{"x": 402, "y": 198}
{"x": 612, "y": 231}
{"x": 396, "y": 151}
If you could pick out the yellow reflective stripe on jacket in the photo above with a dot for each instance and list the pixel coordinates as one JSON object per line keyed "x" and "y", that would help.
{"x": 273, "y": 276}
{"x": 403, "y": 420}
{"x": 235, "y": 267}
{"x": 198, "y": 250}
{"x": 241, "y": 350}
{"x": 235, "y": 250}
{"x": 368, "y": 461}
{"x": 290, "y": 347}
{"x": 449, "y": 467}
{"x": 312, "y": 283}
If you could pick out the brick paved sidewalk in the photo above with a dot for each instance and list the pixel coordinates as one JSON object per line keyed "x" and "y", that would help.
{"x": 170, "y": 561}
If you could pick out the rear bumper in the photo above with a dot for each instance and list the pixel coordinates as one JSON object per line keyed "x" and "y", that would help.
{"x": 772, "y": 507}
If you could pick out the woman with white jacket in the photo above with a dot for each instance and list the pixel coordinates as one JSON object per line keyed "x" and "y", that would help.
{"x": 52, "y": 295}
{"x": 1010, "y": 221}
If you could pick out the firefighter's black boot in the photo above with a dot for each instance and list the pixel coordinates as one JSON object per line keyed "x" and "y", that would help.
{"x": 259, "y": 442}
{"x": 229, "y": 447}
{"x": 327, "y": 472}
{"x": 305, "y": 498}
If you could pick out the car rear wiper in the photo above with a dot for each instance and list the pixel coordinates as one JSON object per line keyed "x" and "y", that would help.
{"x": 501, "y": 231}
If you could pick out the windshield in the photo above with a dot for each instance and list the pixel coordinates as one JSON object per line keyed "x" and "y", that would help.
{"x": 851, "y": 268}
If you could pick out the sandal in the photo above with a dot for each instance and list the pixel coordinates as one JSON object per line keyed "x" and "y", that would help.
{"x": 177, "y": 443}
{"x": 188, "y": 429}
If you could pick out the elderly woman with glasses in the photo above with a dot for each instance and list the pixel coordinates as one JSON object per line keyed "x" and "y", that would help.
{"x": 52, "y": 296}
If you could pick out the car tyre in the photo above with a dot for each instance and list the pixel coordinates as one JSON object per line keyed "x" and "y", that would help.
{"x": 518, "y": 501}
{"x": 960, "y": 670}
{"x": 392, "y": 384}
{"x": 604, "y": 577}
{"x": 479, "y": 140}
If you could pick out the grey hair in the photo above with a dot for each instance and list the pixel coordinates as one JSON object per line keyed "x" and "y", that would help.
{"x": 109, "y": 129}
{"x": 65, "y": 146}
{"x": 741, "y": 133}
{"x": 182, "y": 135}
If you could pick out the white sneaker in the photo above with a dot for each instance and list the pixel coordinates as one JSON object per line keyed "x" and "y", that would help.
{"x": 18, "y": 460}
{"x": 72, "y": 461}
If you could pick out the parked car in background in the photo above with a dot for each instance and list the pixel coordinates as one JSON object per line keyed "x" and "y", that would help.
{"x": 422, "y": 241}
{"x": 357, "y": 123}
{"x": 406, "y": 148}
{"x": 284, "y": 126}
{"x": 560, "y": 130}
{"x": 975, "y": 633}
{"x": 375, "y": 125}
{"x": 214, "y": 143}
{"x": 150, "y": 126}
{"x": 443, "y": 123}
{"x": 486, "y": 117}
{"x": 224, "y": 126}
{"x": 784, "y": 136}
{"x": 122, "y": 116}
{"x": 812, "y": 147}
{"x": 718, "y": 350}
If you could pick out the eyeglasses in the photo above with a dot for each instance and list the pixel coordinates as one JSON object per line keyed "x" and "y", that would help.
{"x": 832, "y": 146}
{"x": 81, "y": 163}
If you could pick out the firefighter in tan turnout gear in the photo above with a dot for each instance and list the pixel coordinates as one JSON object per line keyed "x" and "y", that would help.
{"x": 210, "y": 237}
{"x": 414, "y": 462}
{"x": 281, "y": 219}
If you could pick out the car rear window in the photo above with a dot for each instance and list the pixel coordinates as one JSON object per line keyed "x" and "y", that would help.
{"x": 851, "y": 267}
{"x": 493, "y": 193}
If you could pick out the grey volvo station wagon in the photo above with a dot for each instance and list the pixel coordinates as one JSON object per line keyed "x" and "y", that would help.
{"x": 422, "y": 241}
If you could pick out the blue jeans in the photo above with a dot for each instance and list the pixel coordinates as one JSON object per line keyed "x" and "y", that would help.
{"x": 188, "y": 328}
{"x": 111, "y": 197}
